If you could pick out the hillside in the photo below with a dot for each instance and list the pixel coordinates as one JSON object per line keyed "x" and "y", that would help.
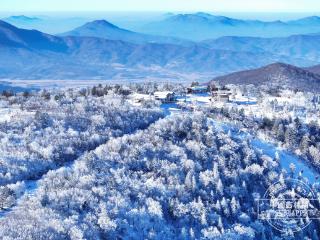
{"x": 11, "y": 36}
{"x": 314, "y": 69}
{"x": 120, "y": 170}
{"x": 46, "y": 23}
{"x": 275, "y": 75}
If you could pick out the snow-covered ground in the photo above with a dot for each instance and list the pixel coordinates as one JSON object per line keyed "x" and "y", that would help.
{"x": 286, "y": 158}
{"x": 170, "y": 108}
{"x": 30, "y": 187}
{"x": 5, "y": 114}
{"x": 57, "y": 185}
{"x": 302, "y": 168}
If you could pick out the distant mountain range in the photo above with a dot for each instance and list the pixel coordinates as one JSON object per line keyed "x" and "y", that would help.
{"x": 7, "y": 86}
{"x": 193, "y": 27}
{"x": 275, "y": 75}
{"x": 22, "y": 19}
{"x": 30, "y": 54}
{"x": 201, "y": 26}
{"x": 107, "y": 30}
{"x": 47, "y": 24}
{"x": 297, "y": 46}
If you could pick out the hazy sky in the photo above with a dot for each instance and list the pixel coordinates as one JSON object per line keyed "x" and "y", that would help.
{"x": 162, "y": 5}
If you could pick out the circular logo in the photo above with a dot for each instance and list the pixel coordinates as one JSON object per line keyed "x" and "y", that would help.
{"x": 289, "y": 205}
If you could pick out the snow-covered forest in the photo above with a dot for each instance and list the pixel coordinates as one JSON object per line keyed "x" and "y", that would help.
{"x": 94, "y": 164}
{"x": 287, "y": 129}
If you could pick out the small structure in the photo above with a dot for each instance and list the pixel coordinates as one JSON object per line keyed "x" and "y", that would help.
{"x": 165, "y": 97}
{"x": 198, "y": 89}
{"x": 220, "y": 94}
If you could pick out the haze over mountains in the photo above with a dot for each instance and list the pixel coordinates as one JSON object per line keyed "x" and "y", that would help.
{"x": 35, "y": 55}
{"x": 107, "y": 30}
{"x": 201, "y": 26}
{"x": 303, "y": 47}
{"x": 275, "y": 75}
{"x": 102, "y": 50}
{"x": 31, "y": 54}
{"x": 195, "y": 26}
{"x": 52, "y": 25}
{"x": 296, "y": 46}
{"x": 22, "y": 19}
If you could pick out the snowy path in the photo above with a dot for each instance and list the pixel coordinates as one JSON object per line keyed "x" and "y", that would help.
{"x": 286, "y": 158}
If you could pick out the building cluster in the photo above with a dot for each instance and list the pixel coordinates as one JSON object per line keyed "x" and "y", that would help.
{"x": 221, "y": 94}
{"x": 212, "y": 93}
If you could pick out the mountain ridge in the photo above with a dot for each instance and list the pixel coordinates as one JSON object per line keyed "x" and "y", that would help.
{"x": 202, "y": 26}
{"x": 314, "y": 69}
{"x": 107, "y": 30}
{"x": 30, "y": 54}
{"x": 17, "y": 37}
{"x": 296, "y": 46}
{"x": 22, "y": 18}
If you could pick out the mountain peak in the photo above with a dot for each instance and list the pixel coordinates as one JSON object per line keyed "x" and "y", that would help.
{"x": 185, "y": 17}
{"x": 203, "y": 19}
{"x": 283, "y": 67}
{"x": 22, "y": 18}
{"x": 203, "y": 14}
{"x": 98, "y": 28}
{"x": 279, "y": 65}
{"x": 311, "y": 18}
{"x": 210, "y": 16}
{"x": 106, "y": 30}
{"x": 101, "y": 23}
{"x": 307, "y": 20}
{"x": 198, "y": 15}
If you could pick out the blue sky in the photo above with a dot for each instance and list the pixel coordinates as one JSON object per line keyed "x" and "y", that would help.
{"x": 161, "y": 5}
